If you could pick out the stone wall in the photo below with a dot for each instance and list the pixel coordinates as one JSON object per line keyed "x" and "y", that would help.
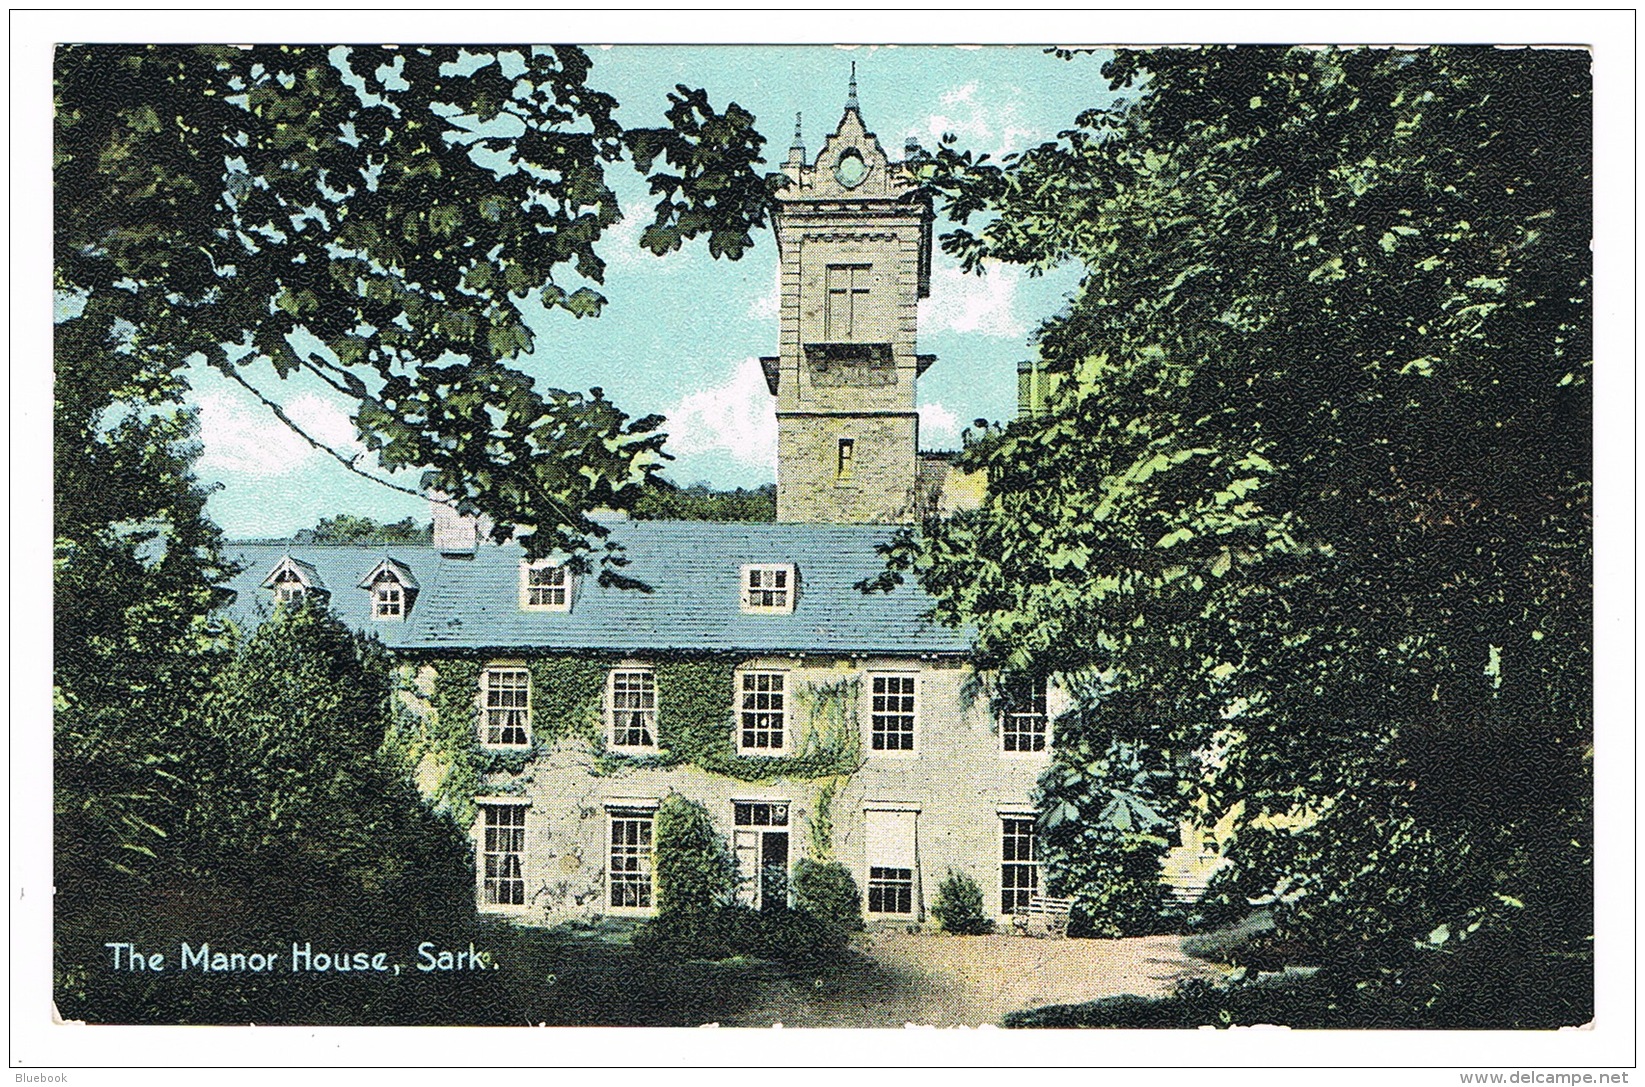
{"x": 880, "y": 485}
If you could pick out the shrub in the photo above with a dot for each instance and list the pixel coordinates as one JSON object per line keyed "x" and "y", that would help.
{"x": 717, "y": 933}
{"x": 780, "y": 935}
{"x": 696, "y": 874}
{"x": 826, "y": 891}
{"x": 795, "y": 936}
{"x": 1118, "y": 892}
{"x": 959, "y": 906}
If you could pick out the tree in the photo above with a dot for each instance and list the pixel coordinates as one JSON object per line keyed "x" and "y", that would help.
{"x": 301, "y": 815}
{"x": 696, "y": 873}
{"x": 137, "y": 570}
{"x": 379, "y": 220}
{"x": 376, "y": 220}
{"x": 1312, "y": 497}
{"x": 663, "y": 501}
{"x": 347, "y": 528}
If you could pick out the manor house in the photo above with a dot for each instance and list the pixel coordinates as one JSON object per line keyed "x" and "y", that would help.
{"x": 810, "y": 718}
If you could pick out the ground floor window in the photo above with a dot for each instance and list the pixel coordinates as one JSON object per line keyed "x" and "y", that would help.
{"x": 1019, "y": 864}
{"x": 890, "y": 890}
{"x": 630, "y": 861}
{"x": 892, "y": 855}
{"x": 504, "y": 848}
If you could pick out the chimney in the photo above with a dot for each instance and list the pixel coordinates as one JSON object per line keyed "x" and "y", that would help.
{"x": 454, "y": 534}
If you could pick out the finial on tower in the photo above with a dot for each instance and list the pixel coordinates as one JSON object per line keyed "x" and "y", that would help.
{"x": 796, "y": 150}
{"x": 851, "y": 96}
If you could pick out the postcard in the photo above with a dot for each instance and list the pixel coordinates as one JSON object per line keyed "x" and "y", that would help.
{"x": 653, "y": 536}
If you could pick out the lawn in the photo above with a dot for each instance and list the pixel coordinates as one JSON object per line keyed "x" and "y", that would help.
{"x": 887, "y": 979}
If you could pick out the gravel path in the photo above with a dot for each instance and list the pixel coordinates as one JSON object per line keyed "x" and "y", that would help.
{"x": 896, "y": 979}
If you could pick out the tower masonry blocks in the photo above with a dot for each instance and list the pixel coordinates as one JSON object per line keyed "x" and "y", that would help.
{"x": 854, "y": 234}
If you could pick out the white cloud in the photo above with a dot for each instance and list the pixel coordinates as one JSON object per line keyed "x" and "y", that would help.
{"x": 964, "y": 302}
{"x": 939, "y": 427}
{"x": 619, "y": 245}
{"x": 738, "y": 418}
{"x": 768, "y": 306}
{"x": 243, "y": 438}
{"x": 991, "y": 121}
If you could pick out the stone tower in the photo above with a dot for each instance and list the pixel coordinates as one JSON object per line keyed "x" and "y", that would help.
{"x": 854, "y": 241}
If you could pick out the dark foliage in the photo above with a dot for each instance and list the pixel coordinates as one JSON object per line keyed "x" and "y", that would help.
{"x": 663, "y": 501}
{"x": 345, "y": 528}
{"x": 1496, "y": 987}
{"x": 1310, "y": 506}
{"x": 780, "y": 935}
{"x": 826, "y": 890}
{"x": 297, "y": 828}
{"x": 958, "y": 907}
{"x": 695, "y": 872}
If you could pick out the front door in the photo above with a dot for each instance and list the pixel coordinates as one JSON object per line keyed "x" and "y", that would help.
{"x": 774, "y": 870}
{"x": 761, "y": 840}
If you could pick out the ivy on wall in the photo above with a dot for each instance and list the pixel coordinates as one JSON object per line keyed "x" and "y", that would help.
{"x": 822, "y": 818}
{"x": 437, "y": 730}
{"x": 696, "y": 724}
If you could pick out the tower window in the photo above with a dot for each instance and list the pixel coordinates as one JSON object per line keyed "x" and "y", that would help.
{"x": 847, "y": 301}
{"x": 846, "y": 467}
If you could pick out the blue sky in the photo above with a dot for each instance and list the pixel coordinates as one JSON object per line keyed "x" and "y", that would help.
{"x": 681, "y": 334}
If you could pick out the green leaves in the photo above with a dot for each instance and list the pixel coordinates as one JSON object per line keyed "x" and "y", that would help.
{"x": 1322, "y": 449}
{"x": 397, "y": 206}
{"x": 710, "y": 184}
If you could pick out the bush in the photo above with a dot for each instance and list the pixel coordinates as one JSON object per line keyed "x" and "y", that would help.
{"x": 826, "y": 891}
{"x": 959, "y": 906}
{"x": 719, "y": 933}
{"x": 696, "y": 874}
{"x": 1117, "y": 891}
{"x": 779, "y": 935}
{"x": 796, "y": 936}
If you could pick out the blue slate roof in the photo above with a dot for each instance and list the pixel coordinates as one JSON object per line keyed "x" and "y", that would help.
{"x": 693, "y": 568}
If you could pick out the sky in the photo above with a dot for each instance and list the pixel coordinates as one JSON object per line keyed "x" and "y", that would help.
{"x": 681, "y": 335}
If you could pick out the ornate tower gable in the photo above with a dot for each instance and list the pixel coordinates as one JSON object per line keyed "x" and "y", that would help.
{"x": 854, "y": 235}
{"x": 851, "y": 166}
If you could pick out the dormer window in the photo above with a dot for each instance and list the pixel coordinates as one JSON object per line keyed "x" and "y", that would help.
{"x": 769, "y": 588}
{"x": 288, "y": 588}
{"x": 392, "y": 588}
{"x": 387, "y": 600}
{"x": 293, "y": 579}
{"x": 545, "y": 585}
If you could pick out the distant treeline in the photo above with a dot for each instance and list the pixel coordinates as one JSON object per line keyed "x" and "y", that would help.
{"x": 662, "y": 501}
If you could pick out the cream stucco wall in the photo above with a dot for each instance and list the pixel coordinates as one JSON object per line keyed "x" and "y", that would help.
{"x": 958, "y": 781}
